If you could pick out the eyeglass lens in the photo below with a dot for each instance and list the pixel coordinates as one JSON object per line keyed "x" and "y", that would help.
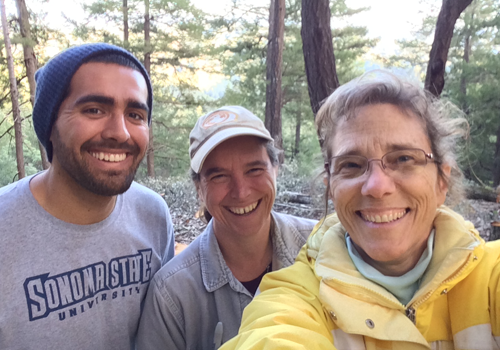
{"x": 401, "y": 161}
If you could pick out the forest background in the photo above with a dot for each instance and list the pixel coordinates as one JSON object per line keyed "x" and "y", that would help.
{"x": 200, "y": 60}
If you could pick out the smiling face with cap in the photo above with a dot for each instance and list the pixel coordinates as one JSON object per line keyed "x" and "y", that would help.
{"x": 238, "y": 186}
{"x": 236, "y": 172}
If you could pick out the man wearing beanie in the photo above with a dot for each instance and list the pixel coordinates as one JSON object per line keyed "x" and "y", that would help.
{"x": 81, "y": 241}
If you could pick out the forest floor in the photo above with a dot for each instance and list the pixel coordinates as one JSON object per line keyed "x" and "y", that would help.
{"x": 181, "y": 198}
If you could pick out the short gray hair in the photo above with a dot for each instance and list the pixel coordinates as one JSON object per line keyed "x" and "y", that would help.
{"x": 443, "y": 122}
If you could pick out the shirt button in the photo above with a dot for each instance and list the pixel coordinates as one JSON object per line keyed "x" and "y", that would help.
{"x": 370, "y": 323}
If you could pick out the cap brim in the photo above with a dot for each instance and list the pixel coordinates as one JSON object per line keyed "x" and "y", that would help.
{"x": 218, "y": 138}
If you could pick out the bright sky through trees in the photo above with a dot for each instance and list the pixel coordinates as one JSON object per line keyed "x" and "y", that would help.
{"x": 387, "y": 19}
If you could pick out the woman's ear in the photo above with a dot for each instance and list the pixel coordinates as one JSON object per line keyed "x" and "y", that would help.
{"x": 199, "y": 191}
{"x": 442, "y": 183}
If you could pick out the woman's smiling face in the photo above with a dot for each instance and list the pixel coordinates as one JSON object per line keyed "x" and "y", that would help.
{"x": 238, "y": 186}
{"x": 388, "y": 217}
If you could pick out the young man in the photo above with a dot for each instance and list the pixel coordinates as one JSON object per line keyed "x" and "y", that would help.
{"x": 80, "y": 242}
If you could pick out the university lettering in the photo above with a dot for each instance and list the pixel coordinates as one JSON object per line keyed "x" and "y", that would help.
{"x": 46, "y": 294}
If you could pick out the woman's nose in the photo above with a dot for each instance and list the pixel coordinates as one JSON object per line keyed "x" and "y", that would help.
{"x": 239, "y": 187}
{"x": 377, "y": 182}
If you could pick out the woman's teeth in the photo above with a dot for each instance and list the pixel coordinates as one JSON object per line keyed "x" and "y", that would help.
{"x": 245, "y": 210}
{"x": 384, "y": 217}
{"x": 109, "y": 157}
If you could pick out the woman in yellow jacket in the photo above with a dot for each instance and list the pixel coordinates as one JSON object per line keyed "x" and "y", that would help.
{"x": 393, "y": 268}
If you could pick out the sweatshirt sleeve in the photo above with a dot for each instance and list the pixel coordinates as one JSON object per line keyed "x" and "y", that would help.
{"x": 287, "y": 314}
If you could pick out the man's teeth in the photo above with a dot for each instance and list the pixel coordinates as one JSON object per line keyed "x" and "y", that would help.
{"x": 109, "y": 157}
{"x": 245, "y": 210}
{"x": 383, "y": 218}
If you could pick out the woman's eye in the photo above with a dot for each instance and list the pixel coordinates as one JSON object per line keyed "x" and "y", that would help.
{"x": 404, "y": 159}
{"x": 218, "y": 178}
{"x": 348, "y": 166}
{"x": 256, "y": 171}
{"x": 352, "y": 165}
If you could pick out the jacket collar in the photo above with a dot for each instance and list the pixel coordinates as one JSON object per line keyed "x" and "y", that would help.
{"x": 456, "y": 242}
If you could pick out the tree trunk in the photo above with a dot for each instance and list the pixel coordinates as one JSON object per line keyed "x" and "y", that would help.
{"x": 450, "y": 11}
{"x": 296, "y": 149}
{"x": 317, "y": 46}
{"x": 125, "y": 24}
{"x": 466, "y": 57}
{"x": 463, "y": 79}
{"x": 274, "y": 71}
{"x": 30, "y": 62}
{"x": 147, "y": 64}
{"x": 14, "y": 95}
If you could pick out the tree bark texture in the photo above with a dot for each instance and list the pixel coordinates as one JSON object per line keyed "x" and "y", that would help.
{"x": 450, "y": 11}
{"x": 274, "y": 62}
{"x": 125, "y": 23}
{"x": 298, "y": 121}
{"x": 317, "y": 46}
{"x": 30, "y": 62}
{"x": 14, "y": 95}
{"x": 150, "y": 158}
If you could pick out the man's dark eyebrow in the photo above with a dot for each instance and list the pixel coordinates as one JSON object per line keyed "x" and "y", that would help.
{"x": 96, "y": 98}
{"x": 110, "y": 102}
{"x": 138, "y": 105}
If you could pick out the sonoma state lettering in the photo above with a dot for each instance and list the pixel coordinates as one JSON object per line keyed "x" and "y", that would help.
{"x": 94, "y": 284}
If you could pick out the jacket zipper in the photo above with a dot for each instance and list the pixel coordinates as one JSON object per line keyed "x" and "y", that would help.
{"x": 411, "y": 311}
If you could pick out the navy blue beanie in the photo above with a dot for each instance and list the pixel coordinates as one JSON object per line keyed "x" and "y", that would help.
{"x": 54, "y": 78}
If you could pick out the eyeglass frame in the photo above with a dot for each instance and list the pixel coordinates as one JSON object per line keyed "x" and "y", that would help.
{"x": 428, "y": 157}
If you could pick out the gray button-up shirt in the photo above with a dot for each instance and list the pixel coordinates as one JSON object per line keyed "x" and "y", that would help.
{"x": 196, "y": 290}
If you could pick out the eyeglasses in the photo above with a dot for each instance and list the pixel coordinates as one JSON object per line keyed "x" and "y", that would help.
{"x": 401, "y": 162}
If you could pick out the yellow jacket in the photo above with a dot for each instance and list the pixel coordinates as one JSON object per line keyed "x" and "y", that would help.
{"x": 323, "y": 302}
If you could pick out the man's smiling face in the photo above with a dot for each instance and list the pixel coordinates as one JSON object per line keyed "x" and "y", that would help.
{"x": 101, "y": 133}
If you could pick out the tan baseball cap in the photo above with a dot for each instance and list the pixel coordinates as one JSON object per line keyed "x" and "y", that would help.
{"x": 215, "y": 127}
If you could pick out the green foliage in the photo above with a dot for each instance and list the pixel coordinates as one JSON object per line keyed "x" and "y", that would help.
{"x": 198, "y": 63}
{"x": 244, "y": 63}
{"x": 471, "y": 81}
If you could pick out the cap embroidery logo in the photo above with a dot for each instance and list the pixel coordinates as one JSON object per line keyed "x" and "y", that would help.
{"x": 219, "y": 117}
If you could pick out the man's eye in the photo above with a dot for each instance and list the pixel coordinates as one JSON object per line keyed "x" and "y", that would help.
{"x": 93, "y": 111}
{"x": 136, "y": 116}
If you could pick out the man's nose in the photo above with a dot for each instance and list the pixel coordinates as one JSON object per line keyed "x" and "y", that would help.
{"x": 377, "y": 183}
{"x": 116, "y": 128}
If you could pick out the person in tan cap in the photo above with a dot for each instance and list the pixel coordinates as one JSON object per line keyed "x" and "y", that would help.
{"x": 196, "y": 300}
